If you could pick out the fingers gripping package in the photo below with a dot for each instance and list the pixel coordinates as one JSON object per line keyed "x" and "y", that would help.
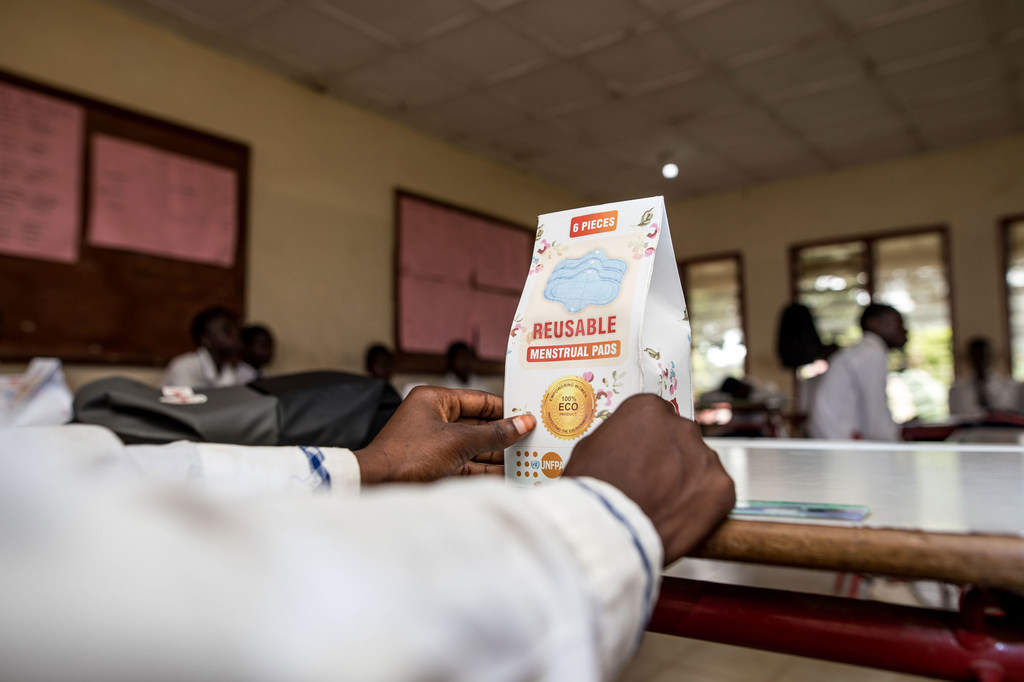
{"x": 602, "y": 316}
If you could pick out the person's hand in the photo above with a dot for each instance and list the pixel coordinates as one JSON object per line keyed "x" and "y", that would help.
{"x": 660, "y": 461}
{"x": 438, "y": 432}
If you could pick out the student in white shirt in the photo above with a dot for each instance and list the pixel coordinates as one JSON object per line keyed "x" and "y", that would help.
{"x": 850, "y": 400}
{"x": 206, "y": 562}
{"x": 983, "y": 391}
{"x": 215, "y": 362}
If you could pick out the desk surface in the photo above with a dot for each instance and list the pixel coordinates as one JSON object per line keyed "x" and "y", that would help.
{"x": 951, "y": 512}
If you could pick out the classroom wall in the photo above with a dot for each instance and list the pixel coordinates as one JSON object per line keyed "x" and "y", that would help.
{"x": 323, "y": 173}
{"x": 969, "y": 189}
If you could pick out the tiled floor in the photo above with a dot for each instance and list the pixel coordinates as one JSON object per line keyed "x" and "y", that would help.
{"x": 663, "y": 658}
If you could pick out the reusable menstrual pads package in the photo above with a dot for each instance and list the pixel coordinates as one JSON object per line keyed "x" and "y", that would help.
{"x": 602, "y": 317}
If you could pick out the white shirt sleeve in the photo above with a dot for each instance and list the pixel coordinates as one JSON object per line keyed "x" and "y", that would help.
{"x": 110, "y": 574}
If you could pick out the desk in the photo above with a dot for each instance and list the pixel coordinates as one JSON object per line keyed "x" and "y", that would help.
{"x": 947, "y": 512}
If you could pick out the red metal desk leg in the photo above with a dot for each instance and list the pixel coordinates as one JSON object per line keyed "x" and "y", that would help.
{"x": 987, "y": 643}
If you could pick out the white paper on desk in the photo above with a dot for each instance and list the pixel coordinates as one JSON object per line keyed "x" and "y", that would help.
{"x": 38, "y": 397}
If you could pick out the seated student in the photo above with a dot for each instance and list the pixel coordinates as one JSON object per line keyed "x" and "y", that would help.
{"x": 459, "y": 370}
{"x": 179, "y": 562}
{"x": 380, "y": 362}
{"x": 257, "y": 347}
{"x": 850, "y": 401}
{"x": 983, "y": 391}
{"x": 215, "y": 362}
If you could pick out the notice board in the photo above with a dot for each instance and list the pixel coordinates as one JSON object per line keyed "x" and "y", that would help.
{"x": 459, "y": 276}
{"x": 86, "y": 189}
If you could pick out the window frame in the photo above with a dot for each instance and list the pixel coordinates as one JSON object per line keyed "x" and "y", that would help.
{"x": 870, "y": 239}
{"x": 741, "y": 280}
{"x": 1004, "y": 225}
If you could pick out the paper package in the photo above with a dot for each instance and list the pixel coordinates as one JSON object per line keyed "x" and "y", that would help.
{"x": 602, "y": 317}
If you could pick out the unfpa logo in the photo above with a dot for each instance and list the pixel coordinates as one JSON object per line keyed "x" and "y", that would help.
{"x": 550, "y": 464}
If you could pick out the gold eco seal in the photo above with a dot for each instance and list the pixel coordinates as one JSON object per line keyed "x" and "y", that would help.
{"x": 568, "y": 407}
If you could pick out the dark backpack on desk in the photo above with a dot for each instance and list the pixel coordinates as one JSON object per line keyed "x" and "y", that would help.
{"x": 332, "y": 409}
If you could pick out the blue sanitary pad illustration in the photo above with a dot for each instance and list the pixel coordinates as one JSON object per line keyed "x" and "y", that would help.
{"x": 594, "y": 279}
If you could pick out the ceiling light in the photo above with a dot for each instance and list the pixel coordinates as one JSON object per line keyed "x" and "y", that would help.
{"x": 670, "y": 170}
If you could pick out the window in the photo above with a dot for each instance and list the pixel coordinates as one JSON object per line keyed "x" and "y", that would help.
{"x": 1013, "y": 253}
{"x": 714, "y": 300}
{"x": 905, "y": 270}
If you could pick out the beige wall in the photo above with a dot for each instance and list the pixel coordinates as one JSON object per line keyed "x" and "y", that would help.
{"x": 968, "y": 189}
{"x": 323, "y": 173}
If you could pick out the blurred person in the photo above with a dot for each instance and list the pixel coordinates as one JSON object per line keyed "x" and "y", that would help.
{"x": 850, "y": 400}
{"x": 201, "y": 561}
{"x": 216, "y": 360}
{"x": 459, "y": 369}
{"x": 983, "y": 390}
{"x": 380, "y": 362}
{"x": 258, "y": 347}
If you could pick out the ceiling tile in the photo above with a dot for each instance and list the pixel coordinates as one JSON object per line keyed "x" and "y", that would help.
{"x": 638, "y": 60}
{"x": 853, "y": 11}
{"x": 875, "y": 149}
{"x": 404, "y": 78}
{"x": 693, "y": 99}
{"x": 484, "y": 48}
{"x": 579, "y": 162}
{"x": 471, "y": 112}
{"x": 833, "y": 107}
{"x": 968, "y": 132}
{"x": 533, "y": 138}
{"x": 1008, "y": 15}
{"x": 819, "y": 64}
{"x": 610, "y": 121}
{"x": 657, "y": 145}
{"x": 551, "y": 90}
{"x": 978, "y": 106}
{"x": 943, "y": 28}
{"x": 571, "y": 25}
{"x": 866, "y": 129}
{"x": 403, "y": 20}
{"x": 1015, "y": 54}
{"x": 324, "y": 42}
{"x": 674, "y": 8}
{"x": 943, "y": 79}
{"x": 750, "y": 25}
{"x": 779, "y": 166}
{"x": 747, "y": 132}
{"x": 220, "y": 13}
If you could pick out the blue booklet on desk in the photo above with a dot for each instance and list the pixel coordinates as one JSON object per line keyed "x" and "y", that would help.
{"x": 801, "y": 510}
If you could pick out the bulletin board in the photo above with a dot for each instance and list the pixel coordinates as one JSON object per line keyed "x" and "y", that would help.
{"x": 86, "y": 192}
{"x": 459, "y": 277}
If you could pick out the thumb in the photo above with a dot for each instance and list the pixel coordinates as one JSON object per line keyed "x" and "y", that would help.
{"x": 496, "y": 435}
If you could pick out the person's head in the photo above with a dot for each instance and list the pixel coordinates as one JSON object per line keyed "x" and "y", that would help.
{"x": 216, "y": 329}
{"x": 979, "y": 353}
{"x": 460, "y": 360}
{"x": 886, "y": 322}
{"x": 257, "y": 345}
{"x": 380, "y": 363}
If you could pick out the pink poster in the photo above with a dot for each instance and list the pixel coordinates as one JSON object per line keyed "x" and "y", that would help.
{"x": 40, "y": 175}
{"x": 435, "y": 242}
{"x": 148, "y": 200}
{"x": 492, "y": 317}
{"x": 433, "y": 315}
